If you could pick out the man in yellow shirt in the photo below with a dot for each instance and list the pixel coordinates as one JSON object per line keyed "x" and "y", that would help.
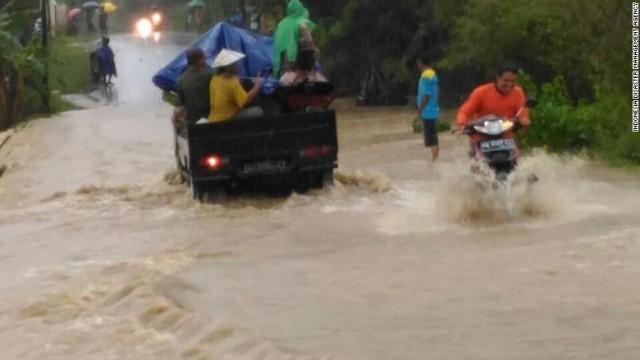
{"x": 228, "y": 98}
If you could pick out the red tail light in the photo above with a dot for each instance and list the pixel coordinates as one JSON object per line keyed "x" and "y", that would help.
{"x": 316, "y": 151}
{"x": 212, "y": 162}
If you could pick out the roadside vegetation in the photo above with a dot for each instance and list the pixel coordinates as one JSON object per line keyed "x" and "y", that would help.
{"x": 573, "y": 64}
{"x": 22, "y": 69}
{"x": 572, "y": 54}
{"x": 68, "y": 53}
{"x": 33, "y": 79}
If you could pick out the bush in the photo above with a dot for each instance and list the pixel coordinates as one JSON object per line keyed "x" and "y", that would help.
{"x": 602, "y": 127}
{"x": 626, "y": 150}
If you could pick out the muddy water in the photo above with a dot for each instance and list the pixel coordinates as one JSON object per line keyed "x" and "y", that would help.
{"x": 105, "y": 255}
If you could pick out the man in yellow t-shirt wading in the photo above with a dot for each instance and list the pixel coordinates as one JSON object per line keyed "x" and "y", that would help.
{"x": 227, "y": 97}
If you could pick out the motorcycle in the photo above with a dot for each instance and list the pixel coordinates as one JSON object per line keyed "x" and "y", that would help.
{"x": 157, "y": 20}
{"x": 494, "y": 148}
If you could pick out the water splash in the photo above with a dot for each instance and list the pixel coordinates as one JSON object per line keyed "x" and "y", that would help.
{"x": 478, "y": 198}
{"x": 377, "y": 182}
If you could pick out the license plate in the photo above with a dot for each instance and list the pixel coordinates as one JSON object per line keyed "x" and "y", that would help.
{"x": 497, "y": 145}
{"x": 260, "y": 167}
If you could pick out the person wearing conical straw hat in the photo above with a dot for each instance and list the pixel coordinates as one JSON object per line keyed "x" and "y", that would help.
{"x": 228, "y": 98}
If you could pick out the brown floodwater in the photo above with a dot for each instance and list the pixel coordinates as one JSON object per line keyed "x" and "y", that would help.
{"x": 106, "y": 256}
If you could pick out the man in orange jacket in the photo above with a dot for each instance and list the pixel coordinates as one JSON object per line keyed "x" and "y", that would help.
{"x": 501, "y": 98}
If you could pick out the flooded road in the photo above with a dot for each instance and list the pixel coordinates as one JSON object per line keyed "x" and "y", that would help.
{"x": 106, "y": 256}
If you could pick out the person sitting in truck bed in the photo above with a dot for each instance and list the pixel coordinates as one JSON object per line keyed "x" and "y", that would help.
{"x": 304, "y": 70}
{"x": 228, "y": 99}
{"x": 193, "y": 87}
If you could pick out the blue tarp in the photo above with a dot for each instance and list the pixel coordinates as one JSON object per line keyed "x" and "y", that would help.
{"x": 257, "y": 48}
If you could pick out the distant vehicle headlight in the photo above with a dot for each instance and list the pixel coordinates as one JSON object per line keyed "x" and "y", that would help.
{"x": 156, "y": 18}
{"x": 144, "y": 28}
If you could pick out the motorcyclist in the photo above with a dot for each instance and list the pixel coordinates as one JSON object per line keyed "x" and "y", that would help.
{"x": 501, "y": 98}
{"x": 106, "y": 58}
{"x": 156, "y": 18}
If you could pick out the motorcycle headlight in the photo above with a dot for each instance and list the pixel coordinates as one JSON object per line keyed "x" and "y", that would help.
{"x": 493, "y": 127}
{"x": 156, "y": 18}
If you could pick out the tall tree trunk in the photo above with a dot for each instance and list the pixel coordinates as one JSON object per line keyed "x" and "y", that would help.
{"x": 4, "y": 106}
{"x": 243, "y": 11}
{"x": 19, "y": 100}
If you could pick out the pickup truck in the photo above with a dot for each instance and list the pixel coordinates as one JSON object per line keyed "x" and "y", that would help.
{"x": 295, "y": 150}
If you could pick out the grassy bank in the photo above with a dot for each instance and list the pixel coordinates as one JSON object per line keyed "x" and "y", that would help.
{"x": 69, "y": 70}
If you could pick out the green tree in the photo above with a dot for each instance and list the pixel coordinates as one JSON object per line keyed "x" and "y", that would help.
{"x": 546, "y": 37}
{"x": 359, "y": 35}
{"x": 370, "y": 34}
{"x": 17, "y": 62}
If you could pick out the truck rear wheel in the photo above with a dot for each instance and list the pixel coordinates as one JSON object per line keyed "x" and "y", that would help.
{"x": 180, "y": 169}
{"x": 327, "y": 178}
{"x": 197, "y": 191}
{"x": 312, "y": 180}
{"x": 178, "y": 163}
{"x": 323, "y": 179}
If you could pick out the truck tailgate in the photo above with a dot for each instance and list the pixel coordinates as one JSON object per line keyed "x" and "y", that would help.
{"x": 282, "y": 137}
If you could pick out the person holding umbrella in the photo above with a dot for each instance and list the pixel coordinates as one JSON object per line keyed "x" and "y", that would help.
{"x": 196, "y": 14}
{"x": 73, "y": 21}
{"x": 90, "y": 7}
{"x": 91, "y": 29}
{"x": 102, "y": 21}
{"x": 103, "y": 18}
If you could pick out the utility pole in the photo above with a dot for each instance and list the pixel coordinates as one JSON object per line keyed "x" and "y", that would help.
{"x": 44, "y": 14}
{"x": 243, "y": 11}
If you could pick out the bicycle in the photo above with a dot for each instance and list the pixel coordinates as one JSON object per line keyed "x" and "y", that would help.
{"x": 107, "y": 91}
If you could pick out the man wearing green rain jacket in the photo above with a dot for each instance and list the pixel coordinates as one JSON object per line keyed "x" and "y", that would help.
{"x": 295, "y": 27}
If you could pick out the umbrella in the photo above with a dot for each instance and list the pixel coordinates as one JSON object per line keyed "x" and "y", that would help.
{"x": 196, "y": 3}
{"x": 109, "y": 7}
{"x": 73, "y": 13}
{"x": 90, "y": 5}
